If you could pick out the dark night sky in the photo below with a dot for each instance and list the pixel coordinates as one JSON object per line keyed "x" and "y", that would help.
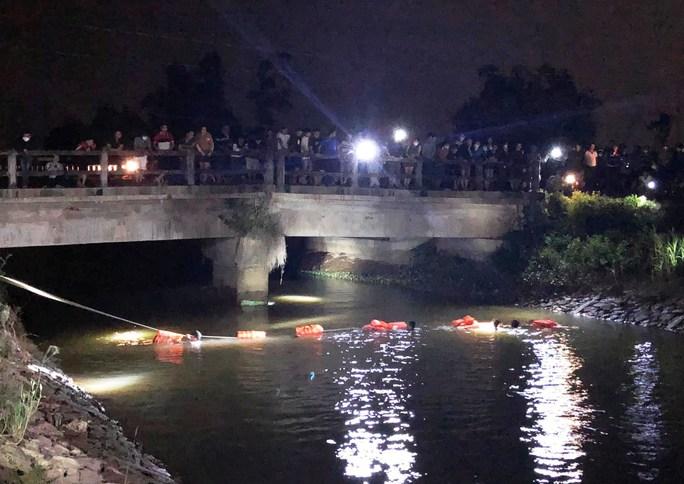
{"x": 376, "y": 61}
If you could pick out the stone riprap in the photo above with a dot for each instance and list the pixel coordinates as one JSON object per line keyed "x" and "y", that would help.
{"x": 70, "y": 438}
{"x": 666, "y": 314}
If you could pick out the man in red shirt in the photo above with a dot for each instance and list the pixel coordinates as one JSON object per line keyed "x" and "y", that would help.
{"x": 163, "y": 140}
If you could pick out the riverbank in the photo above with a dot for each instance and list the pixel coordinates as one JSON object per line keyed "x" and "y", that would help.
{"x": 654, "y": 310}
{"x": 649, "y": 307}
{"x": 52, "y": 430}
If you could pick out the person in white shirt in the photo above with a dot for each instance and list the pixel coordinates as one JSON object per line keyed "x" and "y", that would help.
{"x": 305, "y": 151}
{"x": 283, "y": 141}
{"x": 590, "y": 162}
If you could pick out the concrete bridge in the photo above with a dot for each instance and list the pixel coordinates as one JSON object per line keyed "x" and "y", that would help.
{"x": 376, "y": 223}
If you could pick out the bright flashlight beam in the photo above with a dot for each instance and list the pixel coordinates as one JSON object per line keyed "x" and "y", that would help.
{"x": 261, "y": 44}
{"x": 131, "y": 166}
{"x": 556, "y": 153}
{"x": 295, "y": 298}
{"x": 651, "y": 185}
{"x": 366, "y": 150}
{"x": 400, "y": 134}
{"x": 570, "y": 179}
{"x": 108, "y": 385}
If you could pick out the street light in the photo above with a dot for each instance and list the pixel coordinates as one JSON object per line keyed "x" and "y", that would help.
{"x": 366, "y": 150}
{"x": 400, "y": 134}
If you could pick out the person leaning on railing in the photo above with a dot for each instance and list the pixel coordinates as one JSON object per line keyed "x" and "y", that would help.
{"x": 204, "y": 144}
{"x": 163, "y": 140}
{"x": 55, "y": 171}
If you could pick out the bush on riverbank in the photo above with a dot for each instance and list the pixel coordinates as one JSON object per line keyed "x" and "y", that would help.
{"x": 593, "y": 241}
{"x": 668, "y": 255}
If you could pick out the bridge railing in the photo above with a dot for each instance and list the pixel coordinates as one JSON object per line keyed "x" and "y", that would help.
{"x": 185, "y": 167}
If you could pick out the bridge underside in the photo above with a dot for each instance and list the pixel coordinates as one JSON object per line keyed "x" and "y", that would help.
{"x": 136, "y": 214}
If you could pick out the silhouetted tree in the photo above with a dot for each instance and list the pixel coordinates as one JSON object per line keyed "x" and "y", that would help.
{"x": 661, "y": 128}
{"x": 272, "y": 94}
{"x": 67, "y": 135}
{"x": 191, "y": 97}
{"x": 106, "y": 120}
{"x": 528, "y": 106}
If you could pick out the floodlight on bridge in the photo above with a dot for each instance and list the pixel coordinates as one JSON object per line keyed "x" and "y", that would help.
{"x": 400, "y": 134}
{"x": 131, "y": 165}
{"x": 556, "y": 153}
{"x": 366, "y": 150}
{"x": 570, "y": 179}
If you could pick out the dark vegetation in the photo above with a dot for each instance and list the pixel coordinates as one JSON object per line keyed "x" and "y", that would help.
{"x": 529, "y": 106}
{"x": 592, "y": 242}
{"x": 191, "y": 96}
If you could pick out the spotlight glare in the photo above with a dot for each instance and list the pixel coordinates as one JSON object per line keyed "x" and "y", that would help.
{"x": 556, "y": 153}
{"x": 366, "y": 150}
{"x": 570, "y": 179}
{"x": 400, "y": 134}
{"x": 651, "y": 185}
{"x": 131, "y": 165}
{"x": 297, "y": 299}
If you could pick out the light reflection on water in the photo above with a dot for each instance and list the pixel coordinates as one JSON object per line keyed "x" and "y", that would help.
{"x": 643, "y": 414}
{"x": 558, "y": 411}
{"x": 374, "y": 403}
{"x": 261, "y": 411}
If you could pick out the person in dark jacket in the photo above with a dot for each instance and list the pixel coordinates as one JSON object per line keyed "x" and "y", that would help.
{"x": 25, "y": 144}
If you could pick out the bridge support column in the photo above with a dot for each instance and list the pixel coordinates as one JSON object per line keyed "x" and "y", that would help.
{"x": 241, "y": 263}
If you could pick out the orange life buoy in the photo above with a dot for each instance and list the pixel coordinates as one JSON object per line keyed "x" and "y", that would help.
{"x": 308, "y": 330}
{"x": 169, "y": 337}
{"x": 251, "y": 334}
{"x": 544, "y": 323}
{"x": 377, "y": 325}
{"x": 466, "y": 320}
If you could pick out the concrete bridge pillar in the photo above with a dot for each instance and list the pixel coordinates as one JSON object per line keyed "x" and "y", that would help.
{"x": 243, "y": 264}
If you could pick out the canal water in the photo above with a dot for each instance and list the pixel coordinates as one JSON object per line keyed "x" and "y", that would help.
{"x": 591, "y": 402}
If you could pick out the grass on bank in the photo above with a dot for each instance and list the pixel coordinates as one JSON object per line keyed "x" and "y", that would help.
{"x": 19, "y": 397}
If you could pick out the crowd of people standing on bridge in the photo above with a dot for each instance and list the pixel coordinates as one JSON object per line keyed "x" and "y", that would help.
{"x": 456, "y": 162}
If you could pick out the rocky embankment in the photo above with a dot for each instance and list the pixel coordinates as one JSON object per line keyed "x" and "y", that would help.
{"x": 68, "y": 438}
{"x": 628, "y": 308}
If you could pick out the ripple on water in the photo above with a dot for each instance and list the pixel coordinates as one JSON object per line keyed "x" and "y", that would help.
{"x": 643, "y": 415}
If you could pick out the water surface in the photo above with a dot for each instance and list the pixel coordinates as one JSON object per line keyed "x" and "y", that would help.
{"x": 592, "y": 402}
